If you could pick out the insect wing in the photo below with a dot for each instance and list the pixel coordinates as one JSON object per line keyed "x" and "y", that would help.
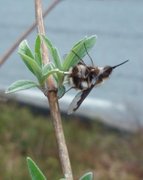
{"x": 78, "y": 99}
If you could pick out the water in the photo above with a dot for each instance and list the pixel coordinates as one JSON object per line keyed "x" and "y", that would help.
{"x": 118, "y": 25}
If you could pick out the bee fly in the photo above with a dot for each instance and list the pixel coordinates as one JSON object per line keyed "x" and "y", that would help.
{"x": 85, "y": 78}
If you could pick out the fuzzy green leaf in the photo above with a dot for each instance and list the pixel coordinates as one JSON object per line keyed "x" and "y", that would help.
{"x": 47, "y": 67}
{"x": 25, "y": 49}
{"x": 35, "y": 172}
{"x": 79, "y": 48}
{"x": 51, "y": 72}
{"x": 32, "y": 66}
{"x": 38, "y": 55}
{"x": 29, "y": 60}
{"x": 54, "y": 52}
{"x": 87, "y": 176}
{"x": 21, "y": 85}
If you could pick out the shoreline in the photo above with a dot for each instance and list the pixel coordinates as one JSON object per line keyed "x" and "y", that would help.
{"x": 111, "y": 113}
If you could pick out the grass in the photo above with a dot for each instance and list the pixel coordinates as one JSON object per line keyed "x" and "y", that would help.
{"x": 109, "y": 153}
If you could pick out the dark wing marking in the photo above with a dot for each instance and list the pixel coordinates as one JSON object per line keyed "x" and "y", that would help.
{"x": 78, "y": 99}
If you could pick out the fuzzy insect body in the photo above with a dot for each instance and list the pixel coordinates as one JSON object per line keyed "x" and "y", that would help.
{"x": 84, "y": 78}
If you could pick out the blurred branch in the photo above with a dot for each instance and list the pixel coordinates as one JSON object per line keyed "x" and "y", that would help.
{"x": 26, "y": 33}
{"x": 53, "y": 101}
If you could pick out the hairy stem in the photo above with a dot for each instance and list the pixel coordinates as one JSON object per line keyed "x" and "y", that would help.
{"x": 53, "y": 102}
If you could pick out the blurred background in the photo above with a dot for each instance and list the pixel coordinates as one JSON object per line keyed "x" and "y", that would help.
{"x": 110, "y": 130}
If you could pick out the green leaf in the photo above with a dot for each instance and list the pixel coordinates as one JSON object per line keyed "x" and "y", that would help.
{"x": 54, "y": 52}
{"x": 87, "y": 176}
{"x": 47, "y": 67}
{"x": 29, "y": 60}
{"x": 35, "y": 172}
{"x": 25, "y": 49}
{"x": 57, "y": 58}
{"x": 61, "y": 91}
{"x": 51, "y": 72}
{"x": 32, "y": 66}
{"x": 21, "y": 85}
{"x": 38, "y": 55}
{"x": 79, "y": 48}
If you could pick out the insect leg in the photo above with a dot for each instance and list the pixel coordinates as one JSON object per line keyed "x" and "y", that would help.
{"x": 67, "y": 91}
{"x": 70, "y": 89}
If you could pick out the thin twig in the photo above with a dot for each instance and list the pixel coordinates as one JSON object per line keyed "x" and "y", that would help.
{"x": 26, "y": 33}
{"x": 53, "y": 103}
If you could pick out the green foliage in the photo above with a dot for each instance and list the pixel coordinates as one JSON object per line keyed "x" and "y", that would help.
{"x": 38, "y": 55}
{"x": 25, "y": 49}
{"x": 32, "y": 66}
{"x": 35, "y": 172}
{"x": 21, "y": 85}
{"x": 79, "y": 48}
{"x": 71, "y": 59}
{"x": 52, "y": 71}
{"x": 93, "y": 146}
{"x": 87, "y": 176}
{"x": 57, "y": 68}
{"x": 54, "y": 52}
{"x": 42, "y": 71}
{"x": 56, "y": 59}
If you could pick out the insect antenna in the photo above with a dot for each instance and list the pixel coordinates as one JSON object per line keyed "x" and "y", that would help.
{"x": 79, "y": 57}
{"x": 89, "y": 55}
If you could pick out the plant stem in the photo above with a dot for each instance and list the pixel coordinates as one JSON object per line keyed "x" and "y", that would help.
{"x": 53, "y": 102}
